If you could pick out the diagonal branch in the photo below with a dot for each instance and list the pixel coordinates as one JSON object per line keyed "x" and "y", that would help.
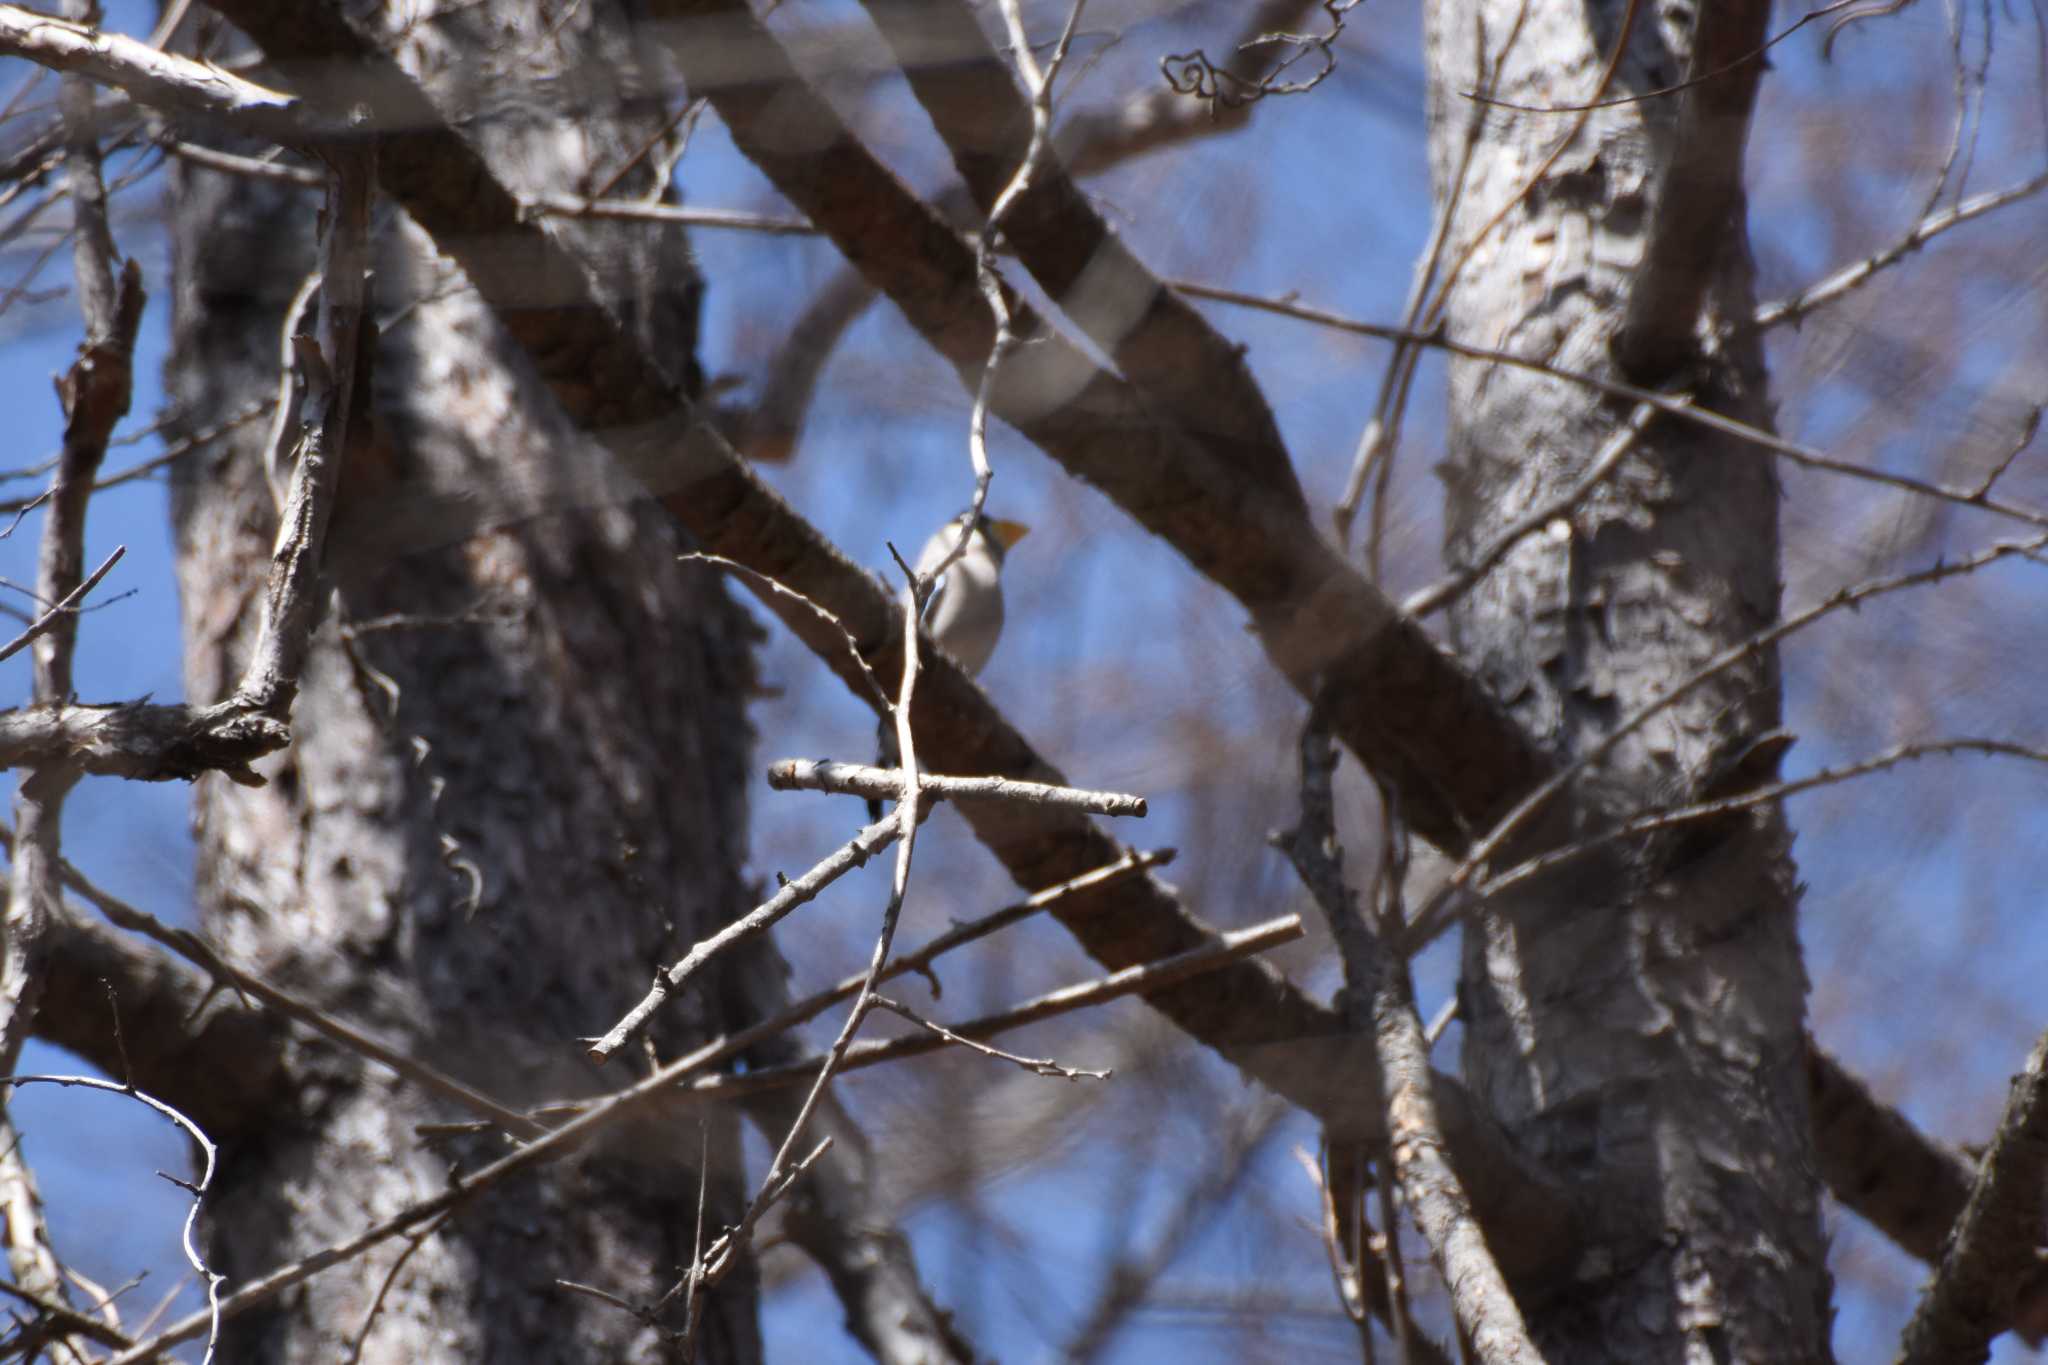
{"x": 1994, "y": 1251}
{"x": 1167, "y": 349}
{"x": 1698, "y": 191}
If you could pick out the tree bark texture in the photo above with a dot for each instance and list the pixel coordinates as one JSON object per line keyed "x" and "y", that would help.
{"x": 516, "y": 781}
{"x": 1635, "y": 1020}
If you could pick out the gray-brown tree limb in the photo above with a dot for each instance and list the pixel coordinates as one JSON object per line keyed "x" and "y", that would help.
{"x": 1699, "y": 190}
{"x": 1993, "y": 1255}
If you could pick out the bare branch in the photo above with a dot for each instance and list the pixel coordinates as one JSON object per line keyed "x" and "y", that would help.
{"x": 67, "y": 607}
{"x": 762, "y": 581}
{"x": 1449, "y": 589}
{"x": 1444, "y": 906}
{"x": 1037, "y": 1066}
{"x": 635, "y": 210}
{"x": 1904, "y": 1183}
{"x": 1167, "y": 349}
{"x": 95, "y": 394}
{"x": 1410, "y": 708}
{"x": 1665, "y": 403}
{"x": 1842, "y": 282}
{"x": 151, "y": 77}
{"x": 850, "y": 855}
{"x": 142, "y": 742}
{"x": 197, "y": 1190}
{"x": 1379, "y": 997}
{"x": 333, "y": 415}
{"x": 854, "y": 779}
{"x": 1994, "y": 1251}
{"x": 1699, "y": 189}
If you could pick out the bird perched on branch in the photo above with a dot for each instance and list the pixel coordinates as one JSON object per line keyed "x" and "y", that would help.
{"x": 964, "y": 615}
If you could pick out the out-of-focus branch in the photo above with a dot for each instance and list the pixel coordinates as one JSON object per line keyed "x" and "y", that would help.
{"x": 1994, "y": 1254}
{"x": 1906, "y": 1185}
{"x": 1699, "y": 190}
{"x": 1123, "y": 1287}
{"x": 1167, "y": 349}
{"x": 159, "y": 79}
{"x": 1087, "y": 143}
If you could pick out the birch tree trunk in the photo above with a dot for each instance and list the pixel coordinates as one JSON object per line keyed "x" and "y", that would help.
{"x": 516, "y": 781}
{"x": 1635, "y": 1020}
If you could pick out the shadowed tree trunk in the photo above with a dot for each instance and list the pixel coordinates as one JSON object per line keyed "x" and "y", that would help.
{"x": 515, "y": 785}
{"x": 1635, "y": 1020}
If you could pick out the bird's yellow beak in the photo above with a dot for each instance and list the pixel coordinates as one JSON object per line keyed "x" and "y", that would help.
{"x": 1008, "y": 532}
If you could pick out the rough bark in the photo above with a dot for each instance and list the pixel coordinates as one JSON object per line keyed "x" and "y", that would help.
{"x": 1635, "y": 1022}
{"x": 500, "y": 810}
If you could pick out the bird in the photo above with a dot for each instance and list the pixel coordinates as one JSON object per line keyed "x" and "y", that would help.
{"x": 964, "y": 614}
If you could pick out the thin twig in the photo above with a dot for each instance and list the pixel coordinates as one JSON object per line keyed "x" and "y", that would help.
{"x": 189, "y": 1237}
{"x": 1450, "y": 588}
{"x": 1650, "y": 822}
{"x": 850, "y": 855}
{"x": 1446, "y": 904}
{"x": 195, "y": 950}
{"x": 1040, "y": 1066}
{"x": 1670, "y": 405}
{"x": 1793, "y": 307}
{"x": 69, "y": 606}
{"x": 95, "y": 393}
{"x": 855, "y": 779}
{"x": 824, "y": 613}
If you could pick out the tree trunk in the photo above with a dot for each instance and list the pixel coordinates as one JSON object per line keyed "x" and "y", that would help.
{"x": 1635, "y": 1020}
{"x": 516, "y": 783}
